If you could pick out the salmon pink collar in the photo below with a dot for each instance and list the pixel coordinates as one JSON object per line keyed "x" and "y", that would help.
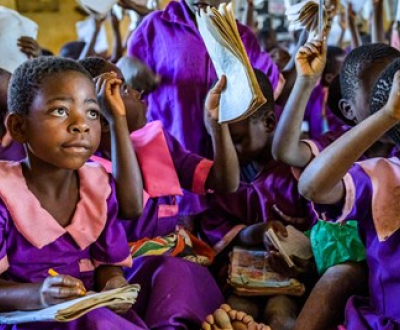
{"x": 37, "y": 225}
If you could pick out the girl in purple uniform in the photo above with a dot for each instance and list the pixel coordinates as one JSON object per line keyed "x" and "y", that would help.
{"x": 366, "y": 191}
{"x": 56, "y": 211}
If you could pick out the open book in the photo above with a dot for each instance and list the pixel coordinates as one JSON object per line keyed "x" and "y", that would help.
{"x": 295, "y": 244}
{"x": 251, "y": 275}
{"x": 242, "y": 95}
{"x": 75, "y": 308}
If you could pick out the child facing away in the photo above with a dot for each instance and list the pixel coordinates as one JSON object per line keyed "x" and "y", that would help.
{"x": 366, "y": 191}
{"x": 166, "y": 167}
{"x": 68, "y": 218}
{"x": 347, "y": 278}
{"x": 267, "y": 197}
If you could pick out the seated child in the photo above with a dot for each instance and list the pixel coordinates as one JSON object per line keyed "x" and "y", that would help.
{"x": 338, "y": 282}
{"x": 166, "y": 167}
{"x": 366, "y": 191}
{"x": 67, "y": 219}
{"x": 266, "y": 191}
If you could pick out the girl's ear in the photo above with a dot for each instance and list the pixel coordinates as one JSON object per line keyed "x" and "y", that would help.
{"x": 346, "y": 110}
{"x": 269, "y": 121}
{"x": 105, "y": 128}
{"x": 16, "y": 126}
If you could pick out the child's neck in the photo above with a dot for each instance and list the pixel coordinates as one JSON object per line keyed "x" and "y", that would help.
{"x": 265, "y": 157}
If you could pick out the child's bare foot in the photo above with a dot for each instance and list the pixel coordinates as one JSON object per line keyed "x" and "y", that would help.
{"x": 226, "y": 318}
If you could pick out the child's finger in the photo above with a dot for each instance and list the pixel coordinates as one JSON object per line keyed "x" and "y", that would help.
{"x": 219, "y": 86}
{"x": 63, "y": 281}
{"x": 59, "y": 292}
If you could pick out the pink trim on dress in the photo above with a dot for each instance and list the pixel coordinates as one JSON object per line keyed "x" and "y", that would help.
{"x": 86, "y": 265}
{"x": 158, "y": 170}
{"x": 165, "y": 211}
{"x": 4, "y": 264}
{"x": 385, "y": 179}
{"x": 89, "y": 218}
{"x": 127, "y": 262}
{"x": 350, "y": 198}
{"x": 200, "y": 176}
{"x": 227, "y": 239}
{"x": 105, "y": 162}
{"x": 312, "y": 145}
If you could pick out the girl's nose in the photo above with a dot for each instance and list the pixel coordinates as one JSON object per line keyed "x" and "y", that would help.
{"x": 78, "y": 125}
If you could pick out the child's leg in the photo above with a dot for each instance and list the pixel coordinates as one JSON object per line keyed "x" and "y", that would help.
{"x": 250, "y": 306}
{"x": 324, "y": 308}
{"x": 226, "y": 318}
{"x": 280, "y": 312}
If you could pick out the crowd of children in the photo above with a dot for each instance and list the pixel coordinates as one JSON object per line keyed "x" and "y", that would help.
{"x": 109, "y": 190}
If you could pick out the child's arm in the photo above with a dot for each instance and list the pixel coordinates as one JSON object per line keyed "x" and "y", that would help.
{"x": 125, "y": 167}
{"x": 30, "y": 47}
{"x": 377, "y": 33}
{"x": 351, "y": 18}
{"x": 287, "y": 147}
{"x": 88, "y": 50}
{"x": 30, "y": 296}
{"x": 321, "y": 181}
{"x": 108, "y": 278}
{"x": 224, "y": 176}
{"x": 117, "y": 50}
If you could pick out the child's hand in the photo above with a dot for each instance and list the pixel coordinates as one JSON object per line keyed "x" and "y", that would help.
{"x": 211, "y": 107}
{"x": 279, "y": 228}
{"x": 57, "y": 289}
{"x": 392, "y": 108}
{"x": 311, "y": 59}
{"x": 279, "y": 265}
{"x": 114, "y": 283}
{"x": 297, "y": 221}
{"x": 108, "y": 95}
{"x": 29, "y": 46}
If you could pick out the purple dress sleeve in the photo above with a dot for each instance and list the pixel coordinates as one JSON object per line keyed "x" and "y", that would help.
{"x": 111, "y": 247}
{"x": 3, "y": 235}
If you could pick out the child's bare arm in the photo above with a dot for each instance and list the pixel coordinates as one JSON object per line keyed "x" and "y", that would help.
{"x": 287, "y": 147}
{"x": 88, "y": 50}
{"x": 351, "y": 19}
{"x": 225, "y": 174}
{"x": 30, "y": 296}
{"x": 125, "y": 167}
{"x": 321, "y": 181}
{"x": 378, "y": 33}
{"x": 117, "y": 50}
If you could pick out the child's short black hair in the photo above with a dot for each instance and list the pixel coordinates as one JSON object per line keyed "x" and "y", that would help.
{"x": 334, "y": 96}
{"x": 332, "y": 53}
{"x": 380, "y": 95}
{"x": 28, "y": 78}
{"x": 72, "y": 49}
{"x": 360, "y": 59}
{"x": 95, "y": 65}
{"x": 268, "y": 92}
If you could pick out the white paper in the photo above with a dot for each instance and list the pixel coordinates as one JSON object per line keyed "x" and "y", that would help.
{"x": 357, "y": 4}
{"x": 100, "y": 7}
{"x": 398, "y": 12}
{"x": 12, "y": 27}
{"x": 85, "y": 30}
{"x": 75, "y": 308}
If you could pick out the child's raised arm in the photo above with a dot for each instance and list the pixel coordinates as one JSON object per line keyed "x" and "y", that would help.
{"x": 287, "y": 147}
{"x": 225, "y": 174}
{"x": 321, "y": 181}
{"x": 125, "y": 167}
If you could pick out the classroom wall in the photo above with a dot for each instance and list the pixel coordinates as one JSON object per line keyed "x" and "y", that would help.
{"x": 57, "y": 28}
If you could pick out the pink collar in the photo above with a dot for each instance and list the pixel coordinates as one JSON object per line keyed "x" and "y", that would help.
{"x": 385, "y": 179}
{"x": 90, "y": 215}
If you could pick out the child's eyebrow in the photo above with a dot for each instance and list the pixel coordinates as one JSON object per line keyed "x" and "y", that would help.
{"x": 70, "y": 99}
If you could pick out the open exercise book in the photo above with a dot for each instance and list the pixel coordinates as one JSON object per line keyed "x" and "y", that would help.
{"x": 251, "y": 275}
{"x": 294, "y": 244}
{"x": 242, "y": 95}
{"x": 75, "y": 308}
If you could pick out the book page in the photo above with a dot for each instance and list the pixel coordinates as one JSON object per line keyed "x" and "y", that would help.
{"x": 295, "y": 244}
{"x": 100, "y": 7}
{"x": 12, "y": 27}
{"x": 75, "y": 308}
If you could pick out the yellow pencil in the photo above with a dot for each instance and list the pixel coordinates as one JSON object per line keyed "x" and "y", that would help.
{"x": 52, "y": 272}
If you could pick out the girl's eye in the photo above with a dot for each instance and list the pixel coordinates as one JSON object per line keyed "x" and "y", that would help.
{"x": 93, "y": 114}
{"x": 60, "y": 112}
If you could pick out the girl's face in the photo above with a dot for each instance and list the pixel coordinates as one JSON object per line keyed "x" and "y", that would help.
{"x": 250, "y": 138}
{"x": 62, "y": 127}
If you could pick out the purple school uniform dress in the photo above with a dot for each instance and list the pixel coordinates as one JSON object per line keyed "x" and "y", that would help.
{"x": 170, "y": 44}
{"x": 254, "y": 202}
{"x": 372, "y": 198}
{"x": 318, "y": 115}
{"x": 14, "y": 152}
{"x": 32, "y": 242}
{"x": 182, "y": 292}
